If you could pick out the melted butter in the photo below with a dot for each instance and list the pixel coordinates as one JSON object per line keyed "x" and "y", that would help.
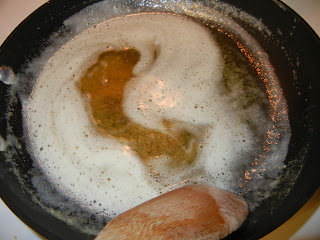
{"x": 87, "y": 168}
{"x": 103, "y": 86}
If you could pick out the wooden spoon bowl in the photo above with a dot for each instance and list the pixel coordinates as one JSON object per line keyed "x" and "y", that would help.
{"x": 190, "y": 212}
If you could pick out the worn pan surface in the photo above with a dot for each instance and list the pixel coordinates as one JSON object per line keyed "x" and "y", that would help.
{"x": 299, "y": 81}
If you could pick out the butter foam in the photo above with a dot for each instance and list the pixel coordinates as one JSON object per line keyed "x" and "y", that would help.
{"x": 184, "y": 83}
{"x": 91, "y": 167}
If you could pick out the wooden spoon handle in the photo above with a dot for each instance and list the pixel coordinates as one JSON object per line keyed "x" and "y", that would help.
{"x": 191, "y": 212}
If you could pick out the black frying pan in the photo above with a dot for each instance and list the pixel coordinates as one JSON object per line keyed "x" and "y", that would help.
{"x": 300, "y": 83}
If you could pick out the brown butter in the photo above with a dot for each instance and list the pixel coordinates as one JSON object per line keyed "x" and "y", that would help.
{"x": 103, "y": 87}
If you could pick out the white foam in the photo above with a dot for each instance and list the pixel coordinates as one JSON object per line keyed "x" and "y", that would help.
{"x": 182, "y": 83}
{"x": 63, "y": 140}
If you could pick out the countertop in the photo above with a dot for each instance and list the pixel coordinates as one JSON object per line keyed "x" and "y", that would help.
{"x": 304, "y": 225}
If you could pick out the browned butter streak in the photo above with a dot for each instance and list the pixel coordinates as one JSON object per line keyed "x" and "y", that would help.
{"x": 103, "y": 86}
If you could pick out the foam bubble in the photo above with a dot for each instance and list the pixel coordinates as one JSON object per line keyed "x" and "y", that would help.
{"x": 7, "y": 76}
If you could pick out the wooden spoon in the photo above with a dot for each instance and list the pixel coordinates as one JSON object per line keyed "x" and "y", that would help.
{"x": 191, "y": 212}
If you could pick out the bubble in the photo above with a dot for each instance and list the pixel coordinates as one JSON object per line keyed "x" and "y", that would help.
{"x": 7, "y": 76}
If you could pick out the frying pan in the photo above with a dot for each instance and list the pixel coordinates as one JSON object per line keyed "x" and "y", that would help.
{"x": 299, "y": 82}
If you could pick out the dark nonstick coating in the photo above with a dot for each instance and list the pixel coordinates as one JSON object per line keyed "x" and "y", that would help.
{"x": 299, "y": 81}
